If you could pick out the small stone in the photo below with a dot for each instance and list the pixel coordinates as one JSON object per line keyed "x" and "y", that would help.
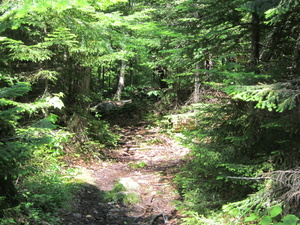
{"x": 77, "y": 215}
{"x": 88, "y": 216}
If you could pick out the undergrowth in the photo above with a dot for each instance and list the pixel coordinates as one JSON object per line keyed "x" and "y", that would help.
{"x": 45, "y": 185}
{"x": 121, "y": 195}
{"x": 43, "y": 195}
{"x": 229, "y": 175}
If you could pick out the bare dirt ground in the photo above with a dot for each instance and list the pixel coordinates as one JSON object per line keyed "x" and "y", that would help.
{"x": 145, "y": 163}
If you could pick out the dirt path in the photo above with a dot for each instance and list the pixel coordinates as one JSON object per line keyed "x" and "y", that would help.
{"x": 145, "y": 164}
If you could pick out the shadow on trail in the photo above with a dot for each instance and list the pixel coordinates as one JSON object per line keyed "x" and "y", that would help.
{"x": 154, "y": 178}
{"x": 89, "y": 207}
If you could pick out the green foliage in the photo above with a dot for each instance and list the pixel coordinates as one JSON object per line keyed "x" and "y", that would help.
{"x": 14, "y": 91}
{"x": 139, "y": 165}
{"x": 44, "y": 194}
{"x": 119, "y": 194}
{"x": 75, "y": 47}
{"x": 29, "y": 143}
{"x": 48, "y": 191}
{"x": 284, "y": 7}
{"x": 229, "y": 148}
{"x": 100, "y": 131}
{"x": 19, "y": 143}
{"x": 196, "y": 219}
{"x": 20, "y": 51}
{"x": 278, "y": 96}
{"x": 272, "y": 218}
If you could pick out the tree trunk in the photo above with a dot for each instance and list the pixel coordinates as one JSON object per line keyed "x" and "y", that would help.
{"x": 161, "y": 71}
{"x": 121, "y": 82}
{"x": 84, "y": 87}
{"x": 255, "y": 38}
{"x": 208, "y": 64}
{"x": 132, "y": 71}
{"x": 197, "y": 84}
{"x": 101, "y": 77}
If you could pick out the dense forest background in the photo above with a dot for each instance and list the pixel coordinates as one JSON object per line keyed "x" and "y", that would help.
{"x": 231, "y": 66}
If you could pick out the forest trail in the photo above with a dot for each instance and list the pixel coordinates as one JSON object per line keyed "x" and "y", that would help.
{"x": 145, "y": 163}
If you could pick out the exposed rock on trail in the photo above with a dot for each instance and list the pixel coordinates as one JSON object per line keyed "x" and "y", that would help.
{"x": 145, "y": 164}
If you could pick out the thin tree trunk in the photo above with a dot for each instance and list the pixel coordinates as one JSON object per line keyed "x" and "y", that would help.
{"x": 121, "y": 82}
{"x": 255, "y": 38}
{"x": 162, "y": 72}
{"x": 85, "y": 84}
{"x": 197, "y": 84}
{"x": 109, "y": 74}
{"x": 131, "y": 71}
{"x": 101, "y": 77}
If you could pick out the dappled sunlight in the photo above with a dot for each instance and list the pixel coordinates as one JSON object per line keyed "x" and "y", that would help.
{"x": 144, "y": 165}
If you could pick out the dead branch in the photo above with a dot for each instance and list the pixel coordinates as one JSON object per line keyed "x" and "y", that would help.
{"x": 249, "y": 178}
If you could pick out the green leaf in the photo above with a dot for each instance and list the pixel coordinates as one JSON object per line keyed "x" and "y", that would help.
{"x": 252, "y": 217}
{"x": 290, "y": 220}
{"x": 275, "y": 211}
{"x": 52, "y": 117}
{"x": 267, "y": 220}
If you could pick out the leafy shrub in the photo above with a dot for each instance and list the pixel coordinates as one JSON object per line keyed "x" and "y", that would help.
{"x": 24, "y": 138}
{"x": 44, "y": 195}
{"x": 233, "y": 145}
{"x": 99, "y": 130}
{"x": 47, "y": 191}
{"x": 274, "y": 217}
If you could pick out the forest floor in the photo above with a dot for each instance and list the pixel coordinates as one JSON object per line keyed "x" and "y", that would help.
{"x": 145, "y": 163}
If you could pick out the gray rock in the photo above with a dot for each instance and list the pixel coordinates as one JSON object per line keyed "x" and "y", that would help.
{"x": 129, "y": 184}
{"x": 77, "y": 215}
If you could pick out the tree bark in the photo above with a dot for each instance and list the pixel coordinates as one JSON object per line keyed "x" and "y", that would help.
{"x": 121, "y": 82}
{"x": 161, "y": 71}
{"x": 255, "y": 38}
{"x": 197, "y": 84}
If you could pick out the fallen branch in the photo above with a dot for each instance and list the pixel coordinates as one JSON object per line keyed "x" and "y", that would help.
{"x": 249, "y": 178}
